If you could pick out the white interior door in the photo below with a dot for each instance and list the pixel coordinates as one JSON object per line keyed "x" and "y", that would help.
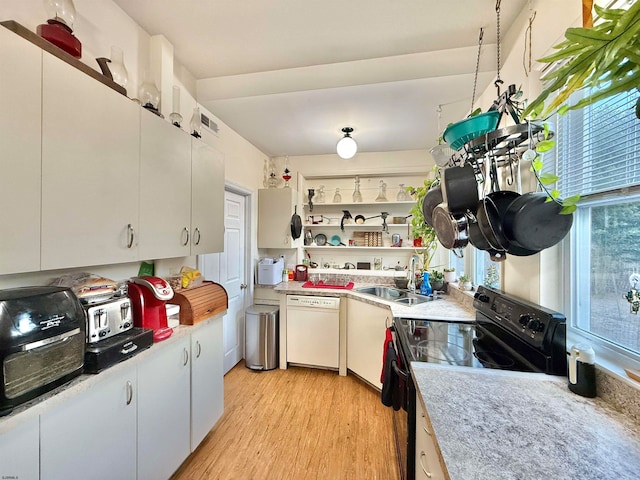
{"x": 228, "y": 269}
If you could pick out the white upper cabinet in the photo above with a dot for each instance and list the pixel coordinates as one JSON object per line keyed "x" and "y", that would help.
{"x": 165, "y": 189}
{"x": 20, "y": 94}
{"x": 90, "y": 151}
{"x": 207, "y": 199}
{"x": 275, "y": 209}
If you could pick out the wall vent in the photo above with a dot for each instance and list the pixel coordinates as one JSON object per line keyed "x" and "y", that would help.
{"x": 208, "y": 123}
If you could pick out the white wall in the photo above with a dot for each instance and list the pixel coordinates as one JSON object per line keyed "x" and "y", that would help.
{"x": 98, "y": 26}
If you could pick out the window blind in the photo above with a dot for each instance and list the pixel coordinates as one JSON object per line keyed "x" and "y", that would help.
{"x": 598, "y": 147}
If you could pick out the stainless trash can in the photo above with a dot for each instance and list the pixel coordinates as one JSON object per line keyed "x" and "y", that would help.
{"x": 261, "y": 337}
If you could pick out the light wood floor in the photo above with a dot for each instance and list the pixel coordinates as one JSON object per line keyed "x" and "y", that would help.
{"x": 296, "y": 424}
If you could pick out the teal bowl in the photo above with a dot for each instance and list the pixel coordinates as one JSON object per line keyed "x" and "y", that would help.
{"x": 460, "y": 133}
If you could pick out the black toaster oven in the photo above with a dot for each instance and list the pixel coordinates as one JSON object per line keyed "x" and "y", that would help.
{"x": 42, "y": 342}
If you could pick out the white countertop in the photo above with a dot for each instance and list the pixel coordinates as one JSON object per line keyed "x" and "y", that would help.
{"x": 495, "y": 424}
{"x": 446, "y": 308}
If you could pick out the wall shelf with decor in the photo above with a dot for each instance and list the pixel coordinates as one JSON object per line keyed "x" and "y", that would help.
{"x": 347, "y": 248}
{"x": 358, "y": 231}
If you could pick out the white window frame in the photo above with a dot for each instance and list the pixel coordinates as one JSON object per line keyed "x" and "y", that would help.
{"x": 609, "y": 356}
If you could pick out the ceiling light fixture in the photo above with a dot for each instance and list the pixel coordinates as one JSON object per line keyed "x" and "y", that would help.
{"x": 347, "y": 146}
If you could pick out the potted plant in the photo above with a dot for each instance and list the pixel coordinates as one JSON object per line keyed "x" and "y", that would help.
{"x": 603, "y": 58}
{"x": 436, "y": 280}
{"x": 424, "y": 236}
{"x": 465, "y": 282}
{"x": 449, "y": 274}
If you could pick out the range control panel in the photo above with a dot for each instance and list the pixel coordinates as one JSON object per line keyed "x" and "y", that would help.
{"x": 529, "y": 321}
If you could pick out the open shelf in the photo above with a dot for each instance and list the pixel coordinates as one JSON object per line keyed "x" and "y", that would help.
{"x": 358, "y": 226}
{"x": 331, "y": 247}
{"x": 359, "y": 204}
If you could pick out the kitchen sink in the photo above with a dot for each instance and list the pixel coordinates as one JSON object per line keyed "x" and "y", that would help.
{"x": 394, "y": 294}
{"x": 414, "y": 299}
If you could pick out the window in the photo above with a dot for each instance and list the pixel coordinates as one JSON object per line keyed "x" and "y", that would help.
{"x": 598, "y": 156}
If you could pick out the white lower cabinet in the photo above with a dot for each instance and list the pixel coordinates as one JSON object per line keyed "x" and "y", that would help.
{"x": 164, "y": 411}
{"x": 19, "y": 451}
{"x": 366, "y": 325}
{"x": 428, "y": 464}
{"x": 207, "y": 380}
{"x": 141, "y": 423}
{"x": 92, "y": 434}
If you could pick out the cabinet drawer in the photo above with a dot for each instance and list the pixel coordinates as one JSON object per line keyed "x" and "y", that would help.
{"x": 427, "y": 457}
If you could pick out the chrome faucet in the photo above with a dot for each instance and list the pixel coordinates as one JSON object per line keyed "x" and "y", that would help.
{"x": 411, "y": 285}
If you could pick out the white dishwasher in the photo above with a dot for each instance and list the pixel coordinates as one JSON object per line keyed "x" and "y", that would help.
{"x": 313, "y": 330}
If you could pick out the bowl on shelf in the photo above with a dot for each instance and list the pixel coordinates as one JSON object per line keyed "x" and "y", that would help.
{"x": 461, "y": 132}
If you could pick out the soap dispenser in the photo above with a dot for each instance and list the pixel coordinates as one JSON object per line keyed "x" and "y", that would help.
{"x": 425, "y": 287}
{"x": 582, "y": 370}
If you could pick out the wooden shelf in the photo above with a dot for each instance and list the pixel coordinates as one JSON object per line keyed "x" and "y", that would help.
{"x": 30, "y": 36}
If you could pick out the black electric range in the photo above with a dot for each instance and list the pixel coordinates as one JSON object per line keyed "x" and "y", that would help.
{"x": 508, "y": 333}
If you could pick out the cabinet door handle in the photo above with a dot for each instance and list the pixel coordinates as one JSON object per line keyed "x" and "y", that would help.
{"x": 424, "y": 419}
{"x": 132, "y": 235}
{"x": 186, "y": 357}
{"x": 196, "y": 239}
{"x": 129, "y": 392}
{"x": 186, "y": 241}
{"x": 198, "y": 349}
{"x": 422, "y": 457}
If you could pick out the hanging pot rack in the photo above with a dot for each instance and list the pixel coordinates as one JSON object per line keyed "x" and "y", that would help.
{"x": 505, "y": 145}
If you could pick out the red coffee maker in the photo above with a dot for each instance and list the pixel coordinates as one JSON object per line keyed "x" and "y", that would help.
{"x": 148, "y": 297}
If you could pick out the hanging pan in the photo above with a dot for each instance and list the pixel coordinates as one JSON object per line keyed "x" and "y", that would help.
{"x": 431, "y": 199}
{"x": 451, "y": 229}
{"x": 296, "y": 224}
{"x": 533, "y": 223}
{"x": 460, "y": 188}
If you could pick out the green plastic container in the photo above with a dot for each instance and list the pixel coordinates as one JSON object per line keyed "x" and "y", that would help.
{"x": 460, "y": 133}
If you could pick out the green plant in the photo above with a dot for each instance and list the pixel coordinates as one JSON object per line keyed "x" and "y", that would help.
{"x": 419, "y": 228}
{"x": 464, "y": 278}
{"x": 449, "y": 269}
{"x": 604, "y": 58}
{"x": 436, "y": 275}
{"x": 547, "y": 180}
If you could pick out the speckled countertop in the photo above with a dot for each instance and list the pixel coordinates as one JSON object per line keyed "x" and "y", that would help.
{"x": 499, "y": 425}
{"x": 447, "y": 308}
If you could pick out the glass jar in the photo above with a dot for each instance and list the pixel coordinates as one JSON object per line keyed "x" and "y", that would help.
{"x": 357, "y": 196}
{"x": 116, "y": 67}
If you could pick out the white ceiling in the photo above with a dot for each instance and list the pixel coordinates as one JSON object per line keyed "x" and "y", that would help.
{"x": 287, "y": 75}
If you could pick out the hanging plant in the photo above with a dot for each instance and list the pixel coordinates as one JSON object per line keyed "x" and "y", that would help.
{"x": 419, "y": 228}
{"x": 604, "y": 58}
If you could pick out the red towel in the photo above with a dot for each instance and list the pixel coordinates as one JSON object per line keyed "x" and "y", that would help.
{"x": 388, "y": 338}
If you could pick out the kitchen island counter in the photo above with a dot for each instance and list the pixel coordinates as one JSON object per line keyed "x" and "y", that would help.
{"x": 496, "y": 424}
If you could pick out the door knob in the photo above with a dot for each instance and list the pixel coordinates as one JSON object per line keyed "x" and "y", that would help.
{"x": 243, "y": 286}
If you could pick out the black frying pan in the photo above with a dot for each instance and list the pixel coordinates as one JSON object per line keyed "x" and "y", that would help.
{"x": 432, "y": 198}
{"x": 533, "y": 223}
{"x": 296, "y": 224}
{"x": 460, "y": 188}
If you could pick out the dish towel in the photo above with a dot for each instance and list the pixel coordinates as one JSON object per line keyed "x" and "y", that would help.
{"x": 390, "y": 379}
{"x": 388, "y": 338}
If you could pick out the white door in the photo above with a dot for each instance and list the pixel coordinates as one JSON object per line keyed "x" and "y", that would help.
{"x": 228, "y": 269}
